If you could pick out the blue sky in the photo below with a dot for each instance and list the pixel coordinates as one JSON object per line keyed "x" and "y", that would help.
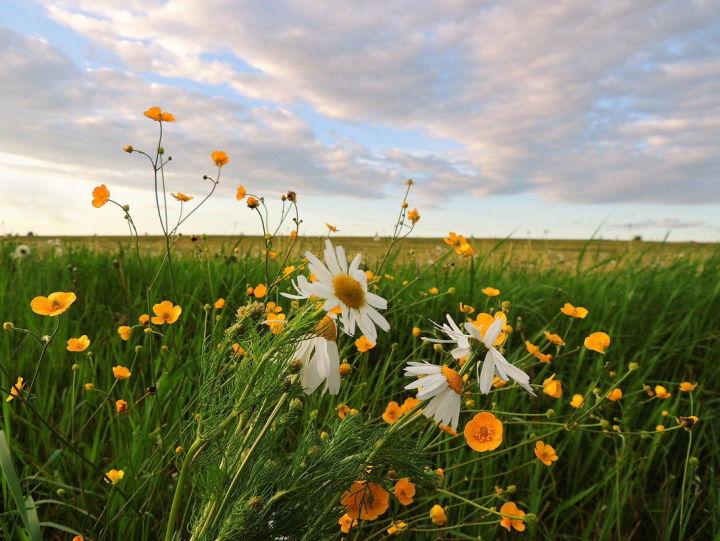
{"x": 513, "y": 118}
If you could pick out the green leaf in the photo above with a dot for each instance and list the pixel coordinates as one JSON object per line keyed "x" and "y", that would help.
{"x": 26, "y": 506}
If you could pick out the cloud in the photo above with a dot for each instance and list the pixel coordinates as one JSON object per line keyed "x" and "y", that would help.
{"x": 586, "y": 102}
{"x": 61, "y": 119}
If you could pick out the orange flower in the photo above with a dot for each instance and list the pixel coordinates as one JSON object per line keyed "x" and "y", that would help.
{"x": 459, "y": 243}
{"x": 220, "y": 158}
{"x": 365, "y": 500}
{"x": 409, "y": 404}
{"x": 552, "y": 387}
{"x": 166, "y": 312}
{"x": 252, "y": 203}
{"x": 346, "y": 522}
{"x": 220, "y": 303}
{"x": 554, "y": 338}
{"x": 343, "y": 409}
{"x": 687, "y": 386}
{"x": 115, "y": 476}
{"x": 572, "y": 311}
{"x": 466, "y": 309}
{"x": 661, "y": 392}
{"x": 15, "y": 389}
{"x": 447, "y": 429}
{"x": 100, "y": 196}
{"x": 332, "y": 228}
{"x": 52, "y": 305}
{"x": 78, "y": 344}
{"x": 237, "y": 350}
{"x": 615, "y": 395}
{"x": 363, "y": 344}
{"x": 483, "y": 322}
{"x": 416, "y": 331}
{"x": 259, "y": 291}
{"x": 125, "y": 332}
{"x": 490, "y": 291}
{"x": 121, "y": 406}
{"x": 545, "y": 453}
{"x": 577, "y": 401}
{"x": 396, "y": 528}
{"x": 497, "y": 382}
{"x": 659, "y": 428}
{"x": 437, "y": 515}
{"x": 182, "y": 197}
{"x": 434, "y": 290}
{"x": 392, "y": 412}
{"x": 413, "y": 215}
{"x": 276, "y": 322}
{"x": 535, "y": 350}
{"x": 158, "y": 116}
{"x": 597, "y": 341}
{"x": 404, "y": 491}
{"x": 514, "y": 520}
{"x": 120, "y": 372}
{"x": 144, "y": 319}
{"x": 89, "y": 386}
{"x": 484, "y": 432}
{"x": 78, "y": 538}
{"x": 241, "y": 193}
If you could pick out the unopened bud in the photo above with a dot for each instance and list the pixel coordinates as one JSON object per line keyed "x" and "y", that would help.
{"x": 437, "y": 347}
{"x": 147, "y": 330}
{"x": 505, "y": 305}
{"x": 604, "y": 423}
{"x": 296, "y": 404}
{"x": 632, "y": 367}
{"x": 138, "y": 348}
{"x": 161, "y": 150}
{"x": 345, "y": 369}
{"x": 452, "y": 290}
{"x": 128, "y": 149}
{"x": 296, "y": 366}
{"x": 512, "y": 489}
{"x": 60, "y": 492}
{"x": 75, "y": 367}
{"x": 46, "y": 339}
{"x": 179, "y": 449}
{"x": 164, "y": 348}
{"x": 207, "y": 307}
{"x": 8, "y": 325}
{"x": 126, "y": 208}
{"x": 550, "y": 413}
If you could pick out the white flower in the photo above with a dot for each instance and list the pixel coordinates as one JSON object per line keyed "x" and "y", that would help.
{"x": 494, "y": 361}
{"x": 456, "y": 336}
{"x": 21, "y": 251}
{"x": 443, "y": 386}
{"x": 320, "y": 358}
{"x": 345, "y": 287}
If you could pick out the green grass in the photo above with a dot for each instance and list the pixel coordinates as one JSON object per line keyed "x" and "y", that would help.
{"x": 660, "y": 310}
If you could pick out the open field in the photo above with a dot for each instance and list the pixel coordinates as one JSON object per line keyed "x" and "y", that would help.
{"x": 616, "y": 476}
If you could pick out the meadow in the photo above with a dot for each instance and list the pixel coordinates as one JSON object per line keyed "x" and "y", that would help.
{"x": 211, "y": 422}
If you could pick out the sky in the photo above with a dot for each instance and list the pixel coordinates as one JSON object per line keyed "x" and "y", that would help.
{"x": 514, "y": 118}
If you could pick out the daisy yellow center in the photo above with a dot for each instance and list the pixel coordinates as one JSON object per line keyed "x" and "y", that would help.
{"x": 454, "y": 380}
{"x": 484, "y": 434}
{"x": 326, "y": 329}
{"x": 349, "y": 291}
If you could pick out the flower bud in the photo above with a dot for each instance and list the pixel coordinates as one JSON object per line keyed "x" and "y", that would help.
{"x": 126, "y": 208}
{"x": 8, "y": 325}
{"x": 207, "y": 307}
{"x": 179, "y": 449}
{"x": 512, "y": 489}
{"x": 452, "y": 290}
{"x": 138, "y": 348}
{"x": 296, "y": 404}
{"x": 633, "y": 366}
{"x": 161, "y": 150}
{"x": 550, "y": 413}
{"x": 409, "y": 182}
{"x": 296, "y": 366}
{"x": 128, "y": 149}
{"x": 323, "y": 435}
{"x": 75, "y": 367}
{"x": 46, "y": 339}
{"x": 345, "y": 369}
{"x": 164, "y": 348}
{"x": 147, "y": 330}
{"x": 89, "y": 386}
{"x": 530, "y": 519}
{"x": 60, "y": 492}
{"x": 437, "y": 347}
{"x": 505, "y": 305}
{"x": 604, "y": 423}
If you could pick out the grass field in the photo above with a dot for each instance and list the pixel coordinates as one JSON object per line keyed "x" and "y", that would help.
{"x": 616, "y": 477}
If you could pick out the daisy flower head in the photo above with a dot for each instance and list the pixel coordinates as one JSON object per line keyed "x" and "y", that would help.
{"x": 343, "y": 286}
{"x": 494, "y": 363}
{"x": 443, "y": 386}
{"x": 456, "y": 336}
{"x": 320, "y": 358}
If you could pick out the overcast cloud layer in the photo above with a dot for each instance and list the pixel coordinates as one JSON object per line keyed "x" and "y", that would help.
{"x": 577, "y": 102}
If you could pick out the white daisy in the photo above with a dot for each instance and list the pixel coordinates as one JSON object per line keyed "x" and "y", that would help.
{"x": 345, "y": 287}
{"x": 494, "y": 362}
{"x": 443, "y": 386}
{"x": 456, "y": 336}
{"x": 320, "y": 358}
